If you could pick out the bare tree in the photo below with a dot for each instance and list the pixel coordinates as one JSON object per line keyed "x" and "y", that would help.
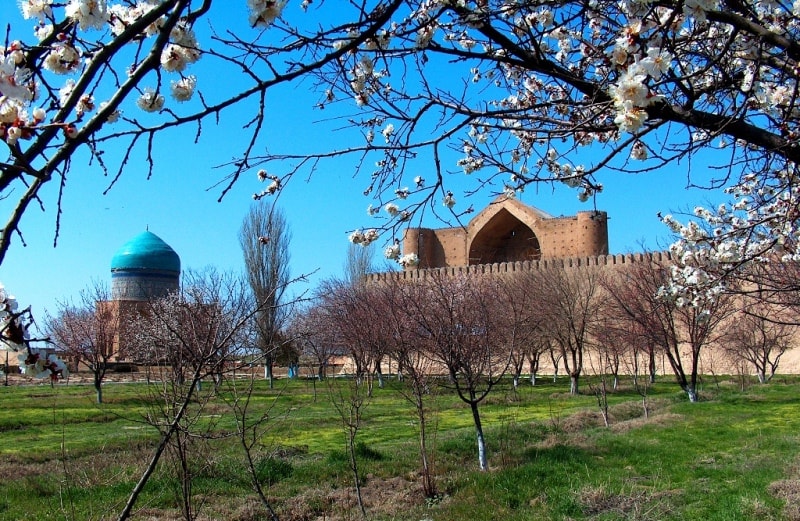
{"x": 519, "y": 297}
{"x": 419, "y": 370}
{"x": 570, "y": 304}
{"x": 753, "y": 338}
{"x": 459, "y": 327}
{"x": 358, "y": 262}
{"x": 353, "y": 323}
{"x": 306, "y": 328}
{"x": 264, "y": 237}
{"x": 86, "y": 332}
{"x": 197, "y": 333}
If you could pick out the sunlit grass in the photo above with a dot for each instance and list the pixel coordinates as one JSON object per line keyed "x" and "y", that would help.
{"x": 550, "y": 456}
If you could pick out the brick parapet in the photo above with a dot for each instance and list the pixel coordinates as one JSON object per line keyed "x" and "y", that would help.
{"x": 524, "y": 266}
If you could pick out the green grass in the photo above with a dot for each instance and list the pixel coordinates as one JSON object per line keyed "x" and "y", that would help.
{"x": 64, "y": 457}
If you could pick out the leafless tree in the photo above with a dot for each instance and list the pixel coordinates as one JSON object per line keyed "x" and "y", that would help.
{"x": 196, "y": 333}
{"x": 353, "y": 323}
{"x": 306, "y": 328}
{"x": 358, "y": 263}
{"x": 570, "y": 304}
{"x": 397, "y": 303}
{"x": 753, "y": 338}
{"x": 519, "y": 300}
{"x": 86, "y": 332}
{"x": 264, "y": 238}
{"x": 459, "y": 327}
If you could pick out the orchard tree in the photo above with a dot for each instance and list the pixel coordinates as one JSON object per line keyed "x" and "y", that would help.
{"x": 570, "y": 302}
{"x": 197, "y": 332}
{"x": 398, "y": 302}
{"x": 515, "y": 92}
{"x": 86, "y": 332}
{"x": 459, "y": 326}
{"x": 756, "y": 340}
{"x": 352, "y": 322}
{"x": 519, "y": 295}
{"x": 306, "y": 329}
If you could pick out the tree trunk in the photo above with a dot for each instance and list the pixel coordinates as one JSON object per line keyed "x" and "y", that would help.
{"x": 351, "y": 448}
{"x": 428, "y": 484}
{"x": 534, "y": 368}
{"x": 476, "y": 417}
{"x": 98, "y": 388}
{"x": 379, "y": 372}
{"x": 652, "y": 366}
{"x": 151, "y": 467}
{"x": 573, "y": 384}
{"x": 268, "y": 373}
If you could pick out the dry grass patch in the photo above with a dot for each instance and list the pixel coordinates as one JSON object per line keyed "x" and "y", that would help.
{"x": 789, "y": 491}
{"x": 658, "y": 420}
{"x": 640, "y": 503}
{"x": 382, "y": 498}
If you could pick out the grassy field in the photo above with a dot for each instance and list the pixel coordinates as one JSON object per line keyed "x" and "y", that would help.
{"x": 733, "y": 456}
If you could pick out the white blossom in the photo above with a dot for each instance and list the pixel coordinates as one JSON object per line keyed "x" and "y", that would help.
{"x": 387, "y": 132}
{"x": 183, "y": 89}
{"x": 409, "y": 260}
{"x": 264, "y": 12}
{"x": 150, "y": 101}
{"x": 88, "y": 13}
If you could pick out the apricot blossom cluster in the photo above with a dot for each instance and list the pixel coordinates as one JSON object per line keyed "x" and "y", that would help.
{"x": 69, "y": 36}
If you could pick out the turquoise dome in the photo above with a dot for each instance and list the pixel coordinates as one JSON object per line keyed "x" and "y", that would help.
{"x": 146, "y": 251}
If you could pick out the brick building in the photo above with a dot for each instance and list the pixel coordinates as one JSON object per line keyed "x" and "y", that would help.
{"x": 508, "y": 230}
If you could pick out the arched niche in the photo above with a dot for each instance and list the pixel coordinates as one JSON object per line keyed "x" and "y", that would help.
{"x": 504, "y": 238}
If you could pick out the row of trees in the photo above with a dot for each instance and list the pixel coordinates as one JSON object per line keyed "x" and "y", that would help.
{"x": 471, "y": 331}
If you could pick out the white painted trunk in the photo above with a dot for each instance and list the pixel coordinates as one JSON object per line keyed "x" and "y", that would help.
{"x": 482, "y": 462}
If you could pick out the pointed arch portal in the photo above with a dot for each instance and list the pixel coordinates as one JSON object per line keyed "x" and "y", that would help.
{"x": 504, "y": 238}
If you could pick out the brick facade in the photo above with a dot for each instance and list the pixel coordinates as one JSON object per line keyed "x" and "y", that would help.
{"x": 510, "y": 231}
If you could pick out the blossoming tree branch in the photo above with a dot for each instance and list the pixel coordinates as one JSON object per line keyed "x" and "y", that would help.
{"x": 509, "y": 92}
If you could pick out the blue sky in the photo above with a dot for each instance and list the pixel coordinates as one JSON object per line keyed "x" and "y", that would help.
{"x": 180, "y": 204}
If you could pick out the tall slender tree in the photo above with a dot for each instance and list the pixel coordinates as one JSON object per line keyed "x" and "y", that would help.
{"x": 264, "y": 237}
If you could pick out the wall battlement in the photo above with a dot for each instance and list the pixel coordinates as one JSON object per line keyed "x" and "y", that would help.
{"x": 523, "y": 266}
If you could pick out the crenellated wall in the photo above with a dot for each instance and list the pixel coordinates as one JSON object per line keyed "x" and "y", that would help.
{"x": 522, "y": 266}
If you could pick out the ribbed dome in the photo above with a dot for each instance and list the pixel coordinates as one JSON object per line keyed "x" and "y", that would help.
{"x": 146, "y": 251}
